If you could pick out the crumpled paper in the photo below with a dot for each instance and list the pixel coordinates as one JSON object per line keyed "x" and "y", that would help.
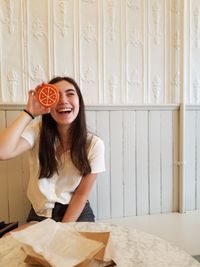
{"x": 49, "y": 244}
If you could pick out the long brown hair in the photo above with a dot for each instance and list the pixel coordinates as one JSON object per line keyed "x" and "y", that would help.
{"x": 77, "y": 138}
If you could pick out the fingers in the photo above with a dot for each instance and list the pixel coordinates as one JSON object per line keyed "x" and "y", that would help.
{"x": 31, "y": 92}
{"x": 40, "y": 85}
{"x": 45, "y": 111}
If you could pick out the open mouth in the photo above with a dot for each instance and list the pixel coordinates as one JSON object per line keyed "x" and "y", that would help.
{"x": 65, "y": 111}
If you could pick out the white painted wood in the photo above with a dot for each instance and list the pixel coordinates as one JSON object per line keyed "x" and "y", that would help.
{"x": 154, "y": 162}
{"x": 142, "y": 176}
{"x": 26, "y": 205}
{"x": 91, "y": 124}
{"x": 103, "y": 181}
{"x": 91, "y": 120}
{"x": 190, "y": 160}
{"x": 166, "y": 162}
{"x": 141, "y": 150}
{"x": 129, "y": 165}
{"x": 197, "y": 167}
{"x": 4, "y": 211}
{"x": 116, "y": 163}
{"x": 17, "y": 182}
{"x": 175, "y": 159}
{"x": 109, "y": 107}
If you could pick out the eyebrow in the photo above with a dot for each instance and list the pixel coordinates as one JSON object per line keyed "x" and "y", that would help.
{"x": 70, "y": 90}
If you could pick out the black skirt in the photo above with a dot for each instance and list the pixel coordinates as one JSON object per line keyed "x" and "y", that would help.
{"x": 58, "y": 212}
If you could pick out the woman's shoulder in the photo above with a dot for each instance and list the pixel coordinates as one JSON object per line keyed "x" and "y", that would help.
{"x": 94, "y": 140}
{"x": 35, "y": 125}
{"x": 93, "y": 137}
{"x": 31, "y": 132}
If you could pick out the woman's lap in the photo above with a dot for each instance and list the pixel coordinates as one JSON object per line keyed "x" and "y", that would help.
{"x": 58, "y": 212}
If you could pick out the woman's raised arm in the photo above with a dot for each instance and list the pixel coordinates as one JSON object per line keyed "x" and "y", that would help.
{"x": 11, "y": 142}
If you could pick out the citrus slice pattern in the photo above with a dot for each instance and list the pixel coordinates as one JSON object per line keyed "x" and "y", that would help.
{"x": 48, "y": 95}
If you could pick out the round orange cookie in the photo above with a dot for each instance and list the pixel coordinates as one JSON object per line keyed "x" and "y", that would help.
{"x": 48, "y": 95}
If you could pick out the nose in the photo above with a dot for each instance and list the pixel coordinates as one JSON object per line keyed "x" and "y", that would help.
{"x": 62, "y": 98}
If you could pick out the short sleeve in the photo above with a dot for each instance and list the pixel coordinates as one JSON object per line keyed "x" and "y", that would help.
{"x": 96, "y": 155}
{"x": 31, "y": 132}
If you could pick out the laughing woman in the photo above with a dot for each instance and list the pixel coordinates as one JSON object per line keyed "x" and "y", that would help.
{"x": 64, "y": 157}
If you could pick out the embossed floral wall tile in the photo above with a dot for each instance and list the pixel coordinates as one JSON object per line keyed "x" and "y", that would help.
{"x": 119, "y": 51}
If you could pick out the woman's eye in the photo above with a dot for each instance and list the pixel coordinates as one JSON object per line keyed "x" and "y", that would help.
{"x": 70, "y": 94}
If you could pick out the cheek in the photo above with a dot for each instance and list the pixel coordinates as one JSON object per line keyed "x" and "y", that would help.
{"x": 77, "y": 107}
{"x": 77, "y": 103}
{"x": 53, "y": 113}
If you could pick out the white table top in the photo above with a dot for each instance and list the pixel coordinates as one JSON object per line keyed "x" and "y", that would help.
{"x": 127, "y": 247}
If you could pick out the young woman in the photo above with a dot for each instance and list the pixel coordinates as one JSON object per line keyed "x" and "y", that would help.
{"x": 64, "y": 157}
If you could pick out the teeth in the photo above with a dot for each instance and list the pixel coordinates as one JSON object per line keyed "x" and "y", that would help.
{"x": 65, "y": 110}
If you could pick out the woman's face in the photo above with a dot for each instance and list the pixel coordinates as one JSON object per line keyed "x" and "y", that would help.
{"x": 67, "y": 109}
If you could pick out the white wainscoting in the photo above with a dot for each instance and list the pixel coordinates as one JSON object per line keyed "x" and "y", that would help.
{"x": 141, "y": 151}
{"x": 141, "y": 154}
{"x": 192, "y": 159}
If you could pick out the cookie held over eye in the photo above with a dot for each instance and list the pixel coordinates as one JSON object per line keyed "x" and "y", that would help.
{"x": 48, "y": 95}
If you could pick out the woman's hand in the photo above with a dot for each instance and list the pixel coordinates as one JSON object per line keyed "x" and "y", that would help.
{"x": 33, "y": 105}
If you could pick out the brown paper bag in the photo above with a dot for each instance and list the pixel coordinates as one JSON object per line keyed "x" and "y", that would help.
{"x": 98, "y": 254}
{"x": 34, "y": 258}
{"x": 101, "y": 237}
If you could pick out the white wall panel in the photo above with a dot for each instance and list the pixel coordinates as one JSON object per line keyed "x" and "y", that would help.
{"x": 197, "y": 161}
{"x": 17, "y": 178}
{"x": 135, "y": 51}
{"x": 103, "y": 181}
{"x": 175, "y": 159}
{"x": 91, "y": 124}
{"x": 193, "y": 91}
{"x": 166, "y": 161}
{"x": 89, "y": 40}
{"x": 154, "y": 162}
{"x": 142, "y": 167}
{"x": 64, "y": 38}
{"x": 156, "y": 48}
{"x": 129, "y": 165}
{"x": 39, "y": 50}
{"x": 190, "y": 159}
{"x": 116, "y": 163}
{"x": 11, "y": 46}
{"x": 4, "y": 204}
{"x": 141, "y": 153}
{"x": 112, "y": 41}
{"x": 120, "y": 52}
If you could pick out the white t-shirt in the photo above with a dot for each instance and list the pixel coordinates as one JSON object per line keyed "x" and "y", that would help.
{"x": 44, "y": 192}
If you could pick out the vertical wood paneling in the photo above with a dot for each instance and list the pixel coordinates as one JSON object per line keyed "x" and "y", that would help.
{"x": 17, "y": 194}
{"x": 116, "y": 163}
{"x": 154, "y": 162}
{"x": 103, "y": 181}
{"x": 25, "y": 179}
{"x": 198, "y": 159}
{"x": 175, "y": 161}
{"x": 91, "y": 121}
{"x": 4, "y": 212}
{"x": 129, "y": 163}
{"x": 91, "y": 124}
{"x": 190, "y": 160}
{"x": 142, "y": 178}
{"x": 166, "y": 161}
